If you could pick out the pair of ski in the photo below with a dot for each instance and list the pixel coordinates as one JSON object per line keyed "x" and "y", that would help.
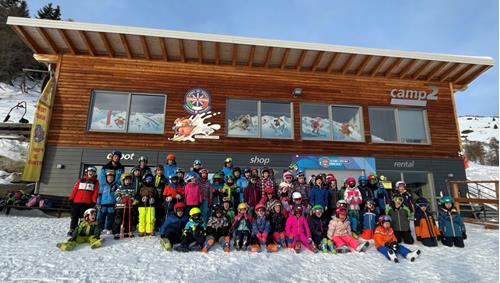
{"x": 122, "y": 226}
{"x": 410, "y": 256}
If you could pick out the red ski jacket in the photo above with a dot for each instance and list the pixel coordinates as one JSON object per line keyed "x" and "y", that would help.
{"x": 85, "y": 191}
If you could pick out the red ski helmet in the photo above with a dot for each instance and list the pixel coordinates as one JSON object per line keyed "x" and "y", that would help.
{"x": 179, "y": 205}
{"x": 341, "y": 210}
{"x": 260, "y": 206}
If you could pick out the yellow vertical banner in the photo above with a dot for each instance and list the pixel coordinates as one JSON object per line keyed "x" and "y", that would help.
{"x": 38, "y": 134}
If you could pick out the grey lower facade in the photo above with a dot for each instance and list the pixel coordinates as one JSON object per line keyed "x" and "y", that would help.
{"x": 62, "y": 166}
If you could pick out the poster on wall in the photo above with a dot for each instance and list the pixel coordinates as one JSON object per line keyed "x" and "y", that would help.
{"x": 347, "y": 124}
{"x": 243, "y": 125}
{"x": 108, "y": 119}
{"x": 335, "y": 162}
{"x": 147, "y": 114}
{"x": 195, "y": 127}
{"x": 276, "y": 126}
{"x": 315, "y": 127}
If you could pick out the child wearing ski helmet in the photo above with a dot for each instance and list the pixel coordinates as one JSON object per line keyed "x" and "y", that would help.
{"x": 297, "y": 201}
{"x": 194, "y": 233}
{"x": 451, "y": 225}
{"x": 380, "y": 194}
{"x": 386, "y": 242}
{"x": 266, "y": 181}
{"x": 147, "y": 197}
{"x": 260, "y": 228}
{"x": 113, "y": 165}
{"x": 180, "y": 174}
{"x": 217, "y": 189}
{"x": 354, "y": 200}
{"x": 136, "y": 179}
{"x": 229, "y": 190}
{"x": 172, "y": 227}
{"x": 406, "y": 195}
{"x": 83, "y": 196}
{"x": 426, "y": 229}
{"x": 242, "y": 227}
{"x": 170, "y": 167}
{"x": 217, "y": 229}
{"x": 366, "y": 192}
{"x": 252, "y": 194}
{"x": 87, "y": 232}
{"x": 197, "y": 166}
{"x": 241, "y": 184}
{"x": 270, "y": 199}
{"x": 400, "y": 215}
{"x": 319, "y": 194}
{"x": 172, "y": 193}
{"x": 318, "y": 225}
{"x": 369, "y": 220}
{"x": 160, "y": 182}
{"x": 228, "y": 167}
{"x": 205, "y": 188}
{"x": 333, "y": 195}
{"x": 277, "y": 219}
{"x": 228, "y": 210}
{"x": 143, "y": 166}
{"x": 106, "y": 202}
{"x": 339, "y": 231}
{"x": 124, "y": 201}
{"x": 302, "y": 187}
{"x": 286, "y": 186}
{"x": 192, "y": 193}
{"x": 297, "y": 230}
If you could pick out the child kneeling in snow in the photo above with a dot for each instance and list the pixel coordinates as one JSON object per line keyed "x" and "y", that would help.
{"x": 451, "y": 224}
{"x": 387, "y": 244}
{"x": 318, "y": 225}
{"x": 339, "y": 231}
{"x": 425, "y": 226}
{"x": 217, "y": 229}
{"x": 193, "y": 235}
{"x": 171, "y": 230}
{"x": 87, "y": 232}
{"x": 298, "y": 231}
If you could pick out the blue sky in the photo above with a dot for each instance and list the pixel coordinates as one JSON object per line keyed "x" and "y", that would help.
{"x": 445, "y": 26}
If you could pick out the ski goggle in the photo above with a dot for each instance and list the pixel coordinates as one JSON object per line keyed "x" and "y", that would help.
{"x": 297, "y": 199}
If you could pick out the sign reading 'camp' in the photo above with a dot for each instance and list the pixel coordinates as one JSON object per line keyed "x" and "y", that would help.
{"x": 413, "y": 97}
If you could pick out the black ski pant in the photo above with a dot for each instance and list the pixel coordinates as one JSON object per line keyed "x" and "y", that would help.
{"x": 429, "y": 242}
{"x": 119, "y": 219}
{"x": 239, "y": 238}
{"x": 404, "y": 236}
{"x": 173, "y": 237}
{"x": 453, "y": 241}
{"x": 77, "y": 210}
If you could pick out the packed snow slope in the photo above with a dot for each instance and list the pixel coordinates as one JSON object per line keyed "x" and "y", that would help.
{"x": 29, "y": 254}
{"x": 478, "y": 128}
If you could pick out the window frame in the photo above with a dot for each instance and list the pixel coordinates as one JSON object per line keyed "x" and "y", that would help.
{"x": 395, "y": 111}
{"x": 259, "y": 114}
{"x": 129, "y": 105}
{"x": 361, "y": 120}
{"x": 329, "y": 109}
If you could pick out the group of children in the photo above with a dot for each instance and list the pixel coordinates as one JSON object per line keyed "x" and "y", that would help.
{"x": 247, "y": 211}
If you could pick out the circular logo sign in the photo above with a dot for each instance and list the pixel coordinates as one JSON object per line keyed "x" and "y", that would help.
{"x": 39, "y": 133}
{"x": 197, "y": 100}
{"x": 324, "y": 162}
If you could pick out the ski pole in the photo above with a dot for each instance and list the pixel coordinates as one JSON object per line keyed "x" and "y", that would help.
{"x": 129, "y": 218}
{"x": 122, "y": 226}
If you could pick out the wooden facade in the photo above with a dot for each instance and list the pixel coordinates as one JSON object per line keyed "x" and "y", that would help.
{"x": 79, "y": 75}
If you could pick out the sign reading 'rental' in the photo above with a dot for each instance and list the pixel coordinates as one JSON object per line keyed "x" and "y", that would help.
{"x": 413, "y": 97}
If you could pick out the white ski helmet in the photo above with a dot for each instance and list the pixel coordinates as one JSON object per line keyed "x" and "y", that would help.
{"x": 88, "y": 212}
{"x": 296, "y": 195}
{"x": 400, "y": 183}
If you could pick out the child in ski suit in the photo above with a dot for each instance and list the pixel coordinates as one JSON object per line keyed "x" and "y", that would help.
{"x": 242, "y": 227}
{"x": 426, "y": 229}
{"x": 286, "y": 186}
{"x": 297, "y": 231}
{"x": 160, "y": 181}
{"x": 171, "y": 230}
{"x": 83, "y": 196}
{"x": 241, "y": 184}
{"x": 205, "y": 188}
{"x": 229, "y": 190}
{"x": 217, "y": 229}
{"x": 319, "y": 195}
{"x": 217, "y": 189}
{"x": 228, "y": 167}
{"x": 87, "y": 232}
{"x": 260, "y": 228}
{"x": 369, "y": 220}
{"x": 266, "y": 181}
{"x": 318, "y": 225}
{"x": 277, "y": 220}
{"x": 194, "y": 233}
{"x": 400, "y": 215}
{"x": 170, "y": 167}
{"x": 386, "y": 242}
{"x": 173, "y": 193}
{"x": 228, "y": 210}
{"x": 339, "y": 231}
{"x": 380, "y": 194}
{"x": 252, "y": 194}
{"x": 146, "y": 197}
{"x": 124, "y": 214}
{"x": 297, "y": 201}
{"x": 365, "y": 191}
{"x": 192, "y": 191}
{"x": 106, "y": 201}
{"x": 354, "y": 199}
{"x": 451, "y": 225}
{"x": 302, "y": 187}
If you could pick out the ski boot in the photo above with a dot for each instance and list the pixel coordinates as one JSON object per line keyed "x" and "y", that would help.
{"x": 413, "y": 255}
{"x": 68, "y": 246}
{"x": 343, "y": 249}
{"x": 331, "y": 246}
{"x": 324, "y": 246}
{"x": 116, "y": 236}
{"x": 272, "y": 248}
{"x": 362, "y": 247}
{"x": 255, "y": 248}
{"x": 96, "y": 244}
{"x": 70, "y": 232}
{"x": 166, "y": 244}
{"x": 226, "y": 245}
{"x": 208, "y": 244}
{"x": 392, "y": 256}
{"x": 181, "y": 248}
{"x": 297, "y": 247}
{"x": 245, "y": 245}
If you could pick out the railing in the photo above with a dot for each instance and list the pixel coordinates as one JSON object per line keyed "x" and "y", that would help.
{"x": 478, "y": 194}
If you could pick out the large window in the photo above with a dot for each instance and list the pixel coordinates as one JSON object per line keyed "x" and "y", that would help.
{"x": 398, "y": 125}
{"x": 253, "y": 118}
{"x": 127, "y": 112}
{"x": 327, "y": 122}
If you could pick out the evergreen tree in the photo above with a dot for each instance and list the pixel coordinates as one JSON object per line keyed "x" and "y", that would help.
{"x": 49, "y": 12}
{"x": 492, "y": 158}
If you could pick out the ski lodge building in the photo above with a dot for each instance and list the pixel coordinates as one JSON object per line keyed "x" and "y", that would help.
{"x": 328, "y": 108}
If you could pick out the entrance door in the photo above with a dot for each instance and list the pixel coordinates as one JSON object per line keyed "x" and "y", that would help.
{"x": 341, "y": 175}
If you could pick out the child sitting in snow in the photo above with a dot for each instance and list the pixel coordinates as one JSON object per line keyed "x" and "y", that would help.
{"x": 278, "y": 218}
{"x": 425, "y": 226}
{"x": 400, "y": 214}
{"x": 451, "y": 224}
{"x": 242, "y": 227}
{"x": 386, "y": 242}
{"x": 369, "y": 220}
{"x": 193, "y": 235}
{"x": 318, "y": 225}
{"x": 87, "y": 232}
{"x": 171, "y": 230}
{"x": 339, "y": 231}
{"x": 217, "y": 229}
{"x": 260, "y": 228}
{"x": 298, "y": 232}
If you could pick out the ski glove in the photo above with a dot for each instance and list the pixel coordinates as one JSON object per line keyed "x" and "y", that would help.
{"x": 151, "y": 200}
{"x": 144, "y": 199}
{"x": 464, "y": 235}
{"x": 169, "y": 199}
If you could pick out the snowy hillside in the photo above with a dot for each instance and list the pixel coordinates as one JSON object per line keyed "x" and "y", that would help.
{"x": 476, "y": 128}
{"x": 10, "y": 96}
{"x": 29, "y": 254}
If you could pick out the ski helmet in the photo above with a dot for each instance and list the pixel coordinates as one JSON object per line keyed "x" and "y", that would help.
{"x": 124, "y": 176}
{"x": 300, "y": 174}
{"x": 197, "y": 162}
{"x": 362, "y": 180}
{"x": 217, "y": 176}
{"x": 318, "y": 208}
{"x": 397, "y": 198}
{"x": 110, "y": 172}
{"x": 372, "y": 179}
{"x": 260, "y": 206}
{"x": 287, "y": 174}
{"x": 341, "y": 211}
{"x": 274, "y": 204}
{"x": 118, "y": 153}
{"x": 247, "y": 170}
{"x": 194, "y": 211}
{"x": 189, "y": 176}
{"x": 91, "y": 169}
{"x": 228, "y": 160}
{"x": 330, "y": 178}
{"x": 204, "y": 171}
{"x": 446, "y": 199}
{"x": 242, "y": 205}
{"x": 297, "y": 209}
{"x": 383, "y": 178}
{"x": 88, "y": 212}
{"x": 230, "y": 178}
{"x": 147, "y": 180}
{"x": 350, "y": 181}
{"x": 143, "y": 158}
{"x": 216, "y": 207}
{"x": 384, "y": 218}
{"x": 296, "y": 195}
{"x": 179, "y": 170}
{"x": 179, "y": 205}
{"x": 370, "y": 201}
{"x": 171, "y": 156}
{"x": 399, "y": 183}
{"x": 422, "y": 202}
{"x": 341, "y": 203}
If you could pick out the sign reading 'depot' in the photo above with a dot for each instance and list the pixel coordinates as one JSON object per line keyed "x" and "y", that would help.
{"x": 413, "y": 97}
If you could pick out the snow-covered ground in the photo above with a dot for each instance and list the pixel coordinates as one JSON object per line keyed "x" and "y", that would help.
{"x": 483, "y": 128}
{"x": 481, "y": 172}
{"x": 11, "y": 95}
{"x": 29, "y": 254}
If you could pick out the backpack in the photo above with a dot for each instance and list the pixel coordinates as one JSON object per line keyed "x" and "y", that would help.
{"x": 33, "y": 201}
